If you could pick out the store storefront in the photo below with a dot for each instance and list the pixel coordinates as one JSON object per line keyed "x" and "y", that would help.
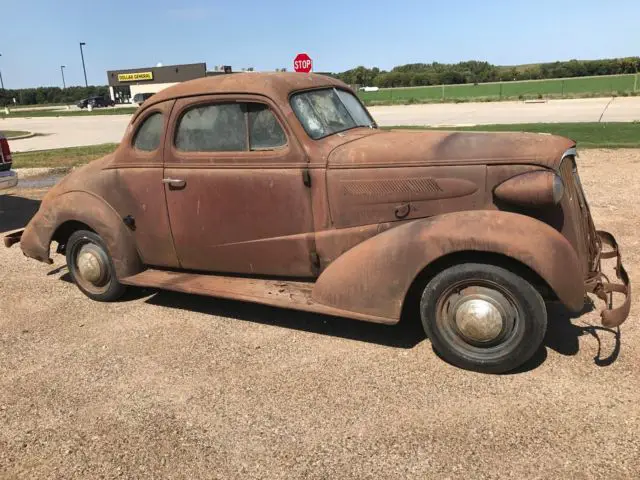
{"x": 125, "y": 84}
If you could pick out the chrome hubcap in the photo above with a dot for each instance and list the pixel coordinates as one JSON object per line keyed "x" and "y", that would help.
{"x": 478, "y": 314}
{"x": 479, "y": 320}
{"x": 91, "y": 264}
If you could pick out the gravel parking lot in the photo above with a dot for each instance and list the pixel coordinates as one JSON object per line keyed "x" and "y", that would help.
{"x": 178, "y": 386}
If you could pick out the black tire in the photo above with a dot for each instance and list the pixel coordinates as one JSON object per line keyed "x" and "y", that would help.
{"x": 513, "y": 317}
{"x": 106, "y": 288}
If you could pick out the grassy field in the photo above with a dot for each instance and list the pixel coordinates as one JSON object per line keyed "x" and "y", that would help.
{"x": 62, "y": 157}
{"x": 588, "y": 135}
{"x": 13, "y": 133}
{"x": 39, "y": 105}
{"x": 558, "y": 88}
{"x": 69, "y": 113}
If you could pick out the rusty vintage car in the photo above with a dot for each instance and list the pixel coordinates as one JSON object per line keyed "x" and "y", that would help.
{"x": 280, "y": 189}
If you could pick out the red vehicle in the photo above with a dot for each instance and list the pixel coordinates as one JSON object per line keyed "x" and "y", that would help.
{"x": 8, "y": 178}
{"x": 280, "y": 189}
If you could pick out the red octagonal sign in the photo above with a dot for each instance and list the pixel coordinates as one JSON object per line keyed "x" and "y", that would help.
{"x": 302, "y": 63}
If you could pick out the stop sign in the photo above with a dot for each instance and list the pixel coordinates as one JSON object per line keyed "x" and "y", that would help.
{"x": 302, "y": 63}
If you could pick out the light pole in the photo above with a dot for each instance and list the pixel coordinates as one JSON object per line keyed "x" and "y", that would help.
{"x": 62, "y": 72}
{"x": 1, "y": 82}
{"x": 86, "y": 84}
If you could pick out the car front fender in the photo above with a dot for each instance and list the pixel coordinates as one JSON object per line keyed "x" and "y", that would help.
{"x": 94, "y": 212}
{"x": 374, "y": 277}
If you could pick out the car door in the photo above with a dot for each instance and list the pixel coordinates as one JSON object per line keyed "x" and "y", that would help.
{"x": 138, "y": 196}
{"x": 235, "y": 188}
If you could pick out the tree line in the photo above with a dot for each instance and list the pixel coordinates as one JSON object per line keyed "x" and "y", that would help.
{"x": 414, "y": 74}
{"x": 48, "y": 95}
{"x": 417, "y": 74}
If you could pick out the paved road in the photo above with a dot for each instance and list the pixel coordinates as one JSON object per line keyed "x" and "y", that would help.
{"x": 166, "y": 385}
{"x": 622, "y": 109}
{"x": 59, "y": 132}
{"x": 76, "y": 131}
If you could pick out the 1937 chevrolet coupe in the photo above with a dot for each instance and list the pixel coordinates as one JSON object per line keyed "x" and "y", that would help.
{"x": 280, "y": 189}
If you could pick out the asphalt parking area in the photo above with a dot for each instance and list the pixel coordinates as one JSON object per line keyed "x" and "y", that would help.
{"x": 180, "y": 386}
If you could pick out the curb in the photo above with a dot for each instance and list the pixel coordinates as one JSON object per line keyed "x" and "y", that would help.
{"x": 41, "y": 171}
{"x": 20, "y": 137}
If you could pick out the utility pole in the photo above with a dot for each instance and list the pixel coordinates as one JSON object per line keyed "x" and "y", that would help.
{"x": 86, "y": 84}
{"x": 62, "y": 72}
{"x": 1, "y": 82}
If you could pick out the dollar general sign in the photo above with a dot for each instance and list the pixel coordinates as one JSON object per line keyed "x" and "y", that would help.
{"x": 133, "y": 77}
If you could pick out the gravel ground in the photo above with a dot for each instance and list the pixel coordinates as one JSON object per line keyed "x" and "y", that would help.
{"x": 178, "y": 386}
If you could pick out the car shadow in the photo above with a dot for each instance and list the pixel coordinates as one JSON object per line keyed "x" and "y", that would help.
{"x": 16, "y": 211}
{"x": 404, "y": 335}
{"x": 562, "y": 335}
{"x": 129, "y": 295}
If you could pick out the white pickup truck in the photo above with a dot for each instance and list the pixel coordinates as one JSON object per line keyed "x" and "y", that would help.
{"x": 8, "y": 178}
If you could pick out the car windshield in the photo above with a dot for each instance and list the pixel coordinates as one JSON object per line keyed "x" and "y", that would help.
{"x": 328, "y": 111}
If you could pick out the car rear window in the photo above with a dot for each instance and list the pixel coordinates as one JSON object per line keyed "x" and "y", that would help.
{"x": 149, "y": 133}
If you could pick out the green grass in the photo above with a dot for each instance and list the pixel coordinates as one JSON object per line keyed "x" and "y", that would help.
{"x": 38, "y": 105}
{"x": 13, "y": 133}
{"x": 62, "y": 157}
{"x": 70, "y": 113}
{"x": 587, "y": 135}
{"x": 557, "y": 88}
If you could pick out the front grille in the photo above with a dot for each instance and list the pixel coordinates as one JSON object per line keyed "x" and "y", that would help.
{"x": 585, "y": 235}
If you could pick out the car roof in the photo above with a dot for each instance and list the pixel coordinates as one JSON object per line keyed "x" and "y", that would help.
{"x": 276, "y": 85}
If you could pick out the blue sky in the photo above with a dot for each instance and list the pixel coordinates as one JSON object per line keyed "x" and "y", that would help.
{"x": 37, "y": 36}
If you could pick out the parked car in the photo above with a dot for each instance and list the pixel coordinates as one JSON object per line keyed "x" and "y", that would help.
{"x": 8, "y": 178}
{"x": 140, "y": 98}
{"x": 96, "y": 102}
{"x": 278, "y": 188}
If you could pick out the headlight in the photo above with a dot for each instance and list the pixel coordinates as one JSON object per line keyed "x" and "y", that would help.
{"x": 534, "y": 189}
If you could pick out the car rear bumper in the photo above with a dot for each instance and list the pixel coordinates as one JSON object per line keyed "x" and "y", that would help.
{"x": 8, "y": 179}
{"x": 611, "y": 316}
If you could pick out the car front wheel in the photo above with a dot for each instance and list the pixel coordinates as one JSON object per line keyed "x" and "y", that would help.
{"x": 483, "y": 317}
{"x": 91, "y": 267}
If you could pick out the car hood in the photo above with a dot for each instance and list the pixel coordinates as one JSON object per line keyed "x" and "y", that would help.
{"x": 417, "y": 148}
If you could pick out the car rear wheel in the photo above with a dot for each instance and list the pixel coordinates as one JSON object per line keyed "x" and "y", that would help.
{"x": 91, "y": 267}
{"x": 483, "y": 317}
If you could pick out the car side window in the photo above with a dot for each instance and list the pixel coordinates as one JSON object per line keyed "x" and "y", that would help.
{"x": 149, "y": 133}
{"x": 265, "y": 133}
{"x": 213, "y": 128}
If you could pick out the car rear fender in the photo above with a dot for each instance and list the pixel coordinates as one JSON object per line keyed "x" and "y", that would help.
{"x": 374, "y": 277}
{"x": 91, "y": 210}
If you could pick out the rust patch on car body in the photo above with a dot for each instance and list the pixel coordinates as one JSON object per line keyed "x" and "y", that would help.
{"x": 375, "y": 275}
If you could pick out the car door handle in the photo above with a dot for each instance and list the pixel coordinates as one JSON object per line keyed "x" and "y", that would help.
{"x": 174, "y": 182}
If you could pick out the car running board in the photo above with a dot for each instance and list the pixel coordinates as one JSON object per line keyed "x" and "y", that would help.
{"x": 277, "y": 293}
